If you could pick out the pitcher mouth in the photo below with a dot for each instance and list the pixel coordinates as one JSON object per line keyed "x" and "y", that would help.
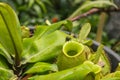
{"x": 72, "y": 48}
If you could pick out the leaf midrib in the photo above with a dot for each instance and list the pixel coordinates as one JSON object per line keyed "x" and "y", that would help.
{"x": 11, "y": 37}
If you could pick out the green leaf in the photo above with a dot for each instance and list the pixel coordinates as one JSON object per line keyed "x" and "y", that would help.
{"x": 75, "y": 73}
{"x": 69, "y": 25}
{"x": 31, "y": 2}
{"x": 4, "y": 53}
{"x": 41, "y": 67}
{"x": 31, "y": 46}
{"x": 91, "y": 4}
{"x": 40, "y": 31}
{"x": 41, "y": 4}
{"x": 48, "y": 3}
{"x": 90, "y": 76}
{"x": 45, "y": 30}
{"x": 118, "y": 67}
{"x": 112, "y": 76}
{"x": 88, "y": 42}
{"x": 37, "y": 10}
{"x": 102, "y": 59}
{"x": 84, "y": 32}
{"x": 3, "y": 62}
{"x": 10, "y": 35}
{"x": 45, "y": 48}
{"x": 6, "y": 74}
{"x": 98, "y": 54}
{"x": 107, "y": 67}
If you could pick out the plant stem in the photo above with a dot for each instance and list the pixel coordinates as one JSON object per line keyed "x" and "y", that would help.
{"x": 17, "y": 60}
{"x": 27, "y": 76}
{"x": 100, "y": 26}
{"x": 93, "y": 11}
{"x": 17, "y": 69}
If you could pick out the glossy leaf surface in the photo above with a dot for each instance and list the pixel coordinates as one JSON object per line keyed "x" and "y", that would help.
{"x": 10, "y": 36}
{"x": 71, "y": 74}
{"x": 44, "y": 30}
{"x": 3, "y": 63}
{"x": 45, "y": 40}
{"x": 4, "y": 53}
{"x": 41, "y": 67}
{"x": 45, "y": 48}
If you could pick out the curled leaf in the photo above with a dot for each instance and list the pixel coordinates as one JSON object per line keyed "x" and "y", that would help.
{"x": 72, "y": 55}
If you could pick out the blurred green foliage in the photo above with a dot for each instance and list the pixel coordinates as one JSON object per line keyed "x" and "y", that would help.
{"x": 36, "y": 12}
{"x": 32, "y": 12}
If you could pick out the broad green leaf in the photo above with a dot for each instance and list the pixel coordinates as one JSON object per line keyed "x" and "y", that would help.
{"x": 76, "y": 73}
{"x": 45, "y": 48}
{"x": 40, "y": 31}
{"x": 30, "y": 46}
{"x": 4, "y": 53}
{"x": 44, "y": 30}
{"x": 3, "y": 62}
{"x": 10, "y": 36}
{"x": 41, "y": 67}
{"x": 6, "y": 74}
{"x": 84, "y": 32}
{"x": 91, "y": 4}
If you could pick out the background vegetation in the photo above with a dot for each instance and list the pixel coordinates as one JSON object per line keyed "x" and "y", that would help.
{"x": 35, "y": 12}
